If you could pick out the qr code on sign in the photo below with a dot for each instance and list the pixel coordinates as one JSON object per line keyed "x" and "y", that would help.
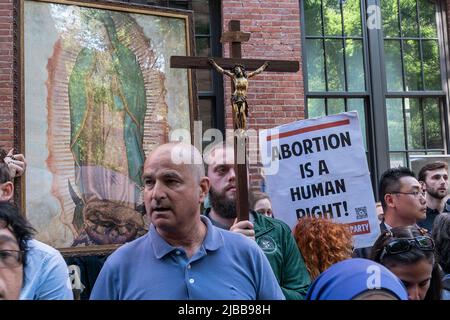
{"x": 361, "y": 213}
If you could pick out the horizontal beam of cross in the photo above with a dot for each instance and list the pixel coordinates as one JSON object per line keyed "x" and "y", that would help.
{"x": 228, "y": 63}
{"x": 235, "y": 36}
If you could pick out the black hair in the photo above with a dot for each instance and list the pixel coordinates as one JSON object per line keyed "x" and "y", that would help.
{"x": 412, "y": 256}
{"x": 390, "y": 182}
{"x": 20, "y": 227}
{"x": 441, "y": 236}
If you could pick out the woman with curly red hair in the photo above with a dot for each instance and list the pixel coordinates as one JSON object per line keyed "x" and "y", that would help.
{"x": 322, "y": 243}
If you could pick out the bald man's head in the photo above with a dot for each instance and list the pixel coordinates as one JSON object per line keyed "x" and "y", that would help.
{"x": 175, "y": 185}
{"x": 182, "y": 153}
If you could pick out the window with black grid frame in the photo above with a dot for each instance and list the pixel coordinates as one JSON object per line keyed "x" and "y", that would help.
{"x": 340, "y": 72}
{"x": 414, "y": 98}
{"x": 335, "y": 51}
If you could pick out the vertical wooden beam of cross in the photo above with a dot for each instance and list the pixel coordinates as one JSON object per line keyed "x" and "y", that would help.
{"x": 235, "y": 36}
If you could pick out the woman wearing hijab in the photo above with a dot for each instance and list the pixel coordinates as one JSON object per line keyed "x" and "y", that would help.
{"x": 357, "y": 279}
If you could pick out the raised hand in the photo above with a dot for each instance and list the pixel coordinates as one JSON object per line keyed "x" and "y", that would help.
{"x": 16, "y": 163}
{"x": 244, "y": 227}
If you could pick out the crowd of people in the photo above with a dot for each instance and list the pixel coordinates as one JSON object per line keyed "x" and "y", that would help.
{"x": 198, "y": 251}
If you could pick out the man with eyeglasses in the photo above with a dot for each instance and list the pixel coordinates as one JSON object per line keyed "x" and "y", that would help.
{"x": 14, "y": 234}
{"x": 434, "y": 179}
{"x": 403, "y": 201}
{"x": 402, "y": 198}
{"x": 45, "y": 275}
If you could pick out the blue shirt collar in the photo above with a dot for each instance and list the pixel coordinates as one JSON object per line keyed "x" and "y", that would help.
{"x": 212, "y": 241}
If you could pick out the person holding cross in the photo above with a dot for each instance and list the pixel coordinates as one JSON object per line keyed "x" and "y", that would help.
{"x": 273, "y": 236}
{"x": 239, "y": 97}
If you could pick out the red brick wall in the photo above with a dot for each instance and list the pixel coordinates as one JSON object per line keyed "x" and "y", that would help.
{"x": 274, "y": 98}
{"x": 6, "y": 74}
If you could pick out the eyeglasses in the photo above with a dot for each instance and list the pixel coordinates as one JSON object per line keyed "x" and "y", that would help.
{"x": 415, "y": 194}
{"x": 401, "y": 245}
{"x": 265, "y": 211}
{"x": 11, "y": 259}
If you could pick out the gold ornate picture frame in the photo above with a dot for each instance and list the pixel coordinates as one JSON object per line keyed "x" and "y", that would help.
{"x": 97, "y": 95}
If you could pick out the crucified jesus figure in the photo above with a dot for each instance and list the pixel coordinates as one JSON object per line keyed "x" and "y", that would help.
{"x": 239, "y": 97}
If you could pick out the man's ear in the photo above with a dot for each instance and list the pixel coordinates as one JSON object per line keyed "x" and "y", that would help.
{"x": 423, "y": 185}
{"x": 204, "y": 188}
{"x": 6, "y": 191}
{"x": 389, "y": 200}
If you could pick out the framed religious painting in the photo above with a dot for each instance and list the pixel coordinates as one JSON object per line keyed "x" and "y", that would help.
{"x": 97, "y": 95}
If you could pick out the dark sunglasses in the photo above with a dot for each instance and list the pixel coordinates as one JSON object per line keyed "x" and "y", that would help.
{"x": 401, "y": 245}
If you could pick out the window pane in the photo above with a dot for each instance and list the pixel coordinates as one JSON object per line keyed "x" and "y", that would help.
{"x": 358, "y": 105}
{"x": 389, "y": 14}
{"x": 205, "y": 114}
{"x": 433, "y": 123}
{"x": 204, "y": 82}
{"x": 436, "y": 152}
{"x": 414, "y": 124}
{"x": 313, "y": 19}
{"x": 352, "y": 17}
{"x": 315, "y": 65}
{"x": 316, "y": 108}
{"x": 408, "y": 11}
{"x": 355, "y": 65}
{"x": 332, "y": 18}
{"x": 427, "y": 19}
{"x": 201, "y": 9}
{"x": 335, "y": 65}
{"x": 335, "y": 106}
{"x": 163, "y": 3}
{"x": 202, "y": 47}
{"x": 414, "y": 156}
{"x": 411, "y": 59}
{"x": 431, "y": 65}
{"x": 397, "y": 160}
{"x": 396, "y": 126}
{"x": 393, "y": 65}
{"x": 179, "y": 4}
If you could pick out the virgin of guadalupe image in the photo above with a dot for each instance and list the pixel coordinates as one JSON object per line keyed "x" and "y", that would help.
{"x": 108, "y": 106}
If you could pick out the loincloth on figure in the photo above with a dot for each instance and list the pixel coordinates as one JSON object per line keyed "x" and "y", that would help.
{"x": 240, "y": 102}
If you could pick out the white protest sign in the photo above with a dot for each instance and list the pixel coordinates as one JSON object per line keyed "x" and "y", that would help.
{"x": 317, "y": 167}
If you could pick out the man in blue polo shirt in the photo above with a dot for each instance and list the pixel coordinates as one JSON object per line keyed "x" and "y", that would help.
{"x": 183, "y": 256}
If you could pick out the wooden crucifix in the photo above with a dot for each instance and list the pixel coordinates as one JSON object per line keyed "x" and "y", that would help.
{"x": 235, "y": 36}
